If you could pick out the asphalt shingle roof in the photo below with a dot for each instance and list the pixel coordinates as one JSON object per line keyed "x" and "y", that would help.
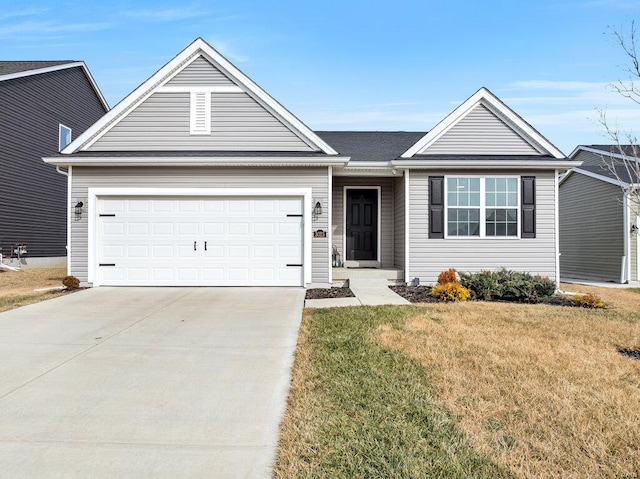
{"x": 620, "y": 170}
{"x": 371, "y": 145}
{"x": 10, "y": 67}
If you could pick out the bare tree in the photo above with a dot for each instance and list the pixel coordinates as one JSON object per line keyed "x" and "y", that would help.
{"x": 624, "y": 161}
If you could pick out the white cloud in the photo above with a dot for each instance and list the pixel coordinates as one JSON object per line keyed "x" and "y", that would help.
{"x": 166, "y": 14}
{"x": 23, "y": 13}
{"x": 39, "y": 29}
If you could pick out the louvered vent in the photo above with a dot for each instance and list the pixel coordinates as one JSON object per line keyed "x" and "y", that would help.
{"x": 200, "y": 113}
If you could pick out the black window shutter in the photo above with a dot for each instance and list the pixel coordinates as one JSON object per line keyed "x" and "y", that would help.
{"x": 528, "y": 206}
{"x": 436, "y": 207}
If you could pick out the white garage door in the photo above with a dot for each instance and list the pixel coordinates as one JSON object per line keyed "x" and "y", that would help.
{"x": 213, "y": 241}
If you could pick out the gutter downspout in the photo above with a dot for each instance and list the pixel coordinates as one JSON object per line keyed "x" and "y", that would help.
{"x": 626, "y": 228}
{"x": 66, "y": 173}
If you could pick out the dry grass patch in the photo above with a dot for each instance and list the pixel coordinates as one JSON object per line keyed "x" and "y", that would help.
{"x": 17, "y": 287}
{"x": 542, "y": 390}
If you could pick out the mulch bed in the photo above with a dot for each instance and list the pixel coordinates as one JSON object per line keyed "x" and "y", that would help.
{"x": 329, "y": 293}
{"x": 416, "y": 294}
{"x": 422, "y": 294}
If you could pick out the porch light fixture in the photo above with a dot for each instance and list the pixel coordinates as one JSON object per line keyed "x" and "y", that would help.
{"x": 78, "y": 210}
{"x": 317, "y": 211}
{"x": 634, "y": 229}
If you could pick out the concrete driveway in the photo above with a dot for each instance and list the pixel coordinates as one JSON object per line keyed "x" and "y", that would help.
{"x": 146, "y": 382}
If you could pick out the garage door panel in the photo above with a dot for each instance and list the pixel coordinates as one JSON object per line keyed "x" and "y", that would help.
{"x": 249, "y": 241}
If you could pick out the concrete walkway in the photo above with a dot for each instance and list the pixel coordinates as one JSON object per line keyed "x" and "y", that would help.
{"x": 146, "y": 382}
{"x": 602, "y": 284}
{"x": 367, "y": 292}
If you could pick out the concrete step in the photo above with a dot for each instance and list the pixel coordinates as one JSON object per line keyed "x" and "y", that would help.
{"x": 368, "y": 283}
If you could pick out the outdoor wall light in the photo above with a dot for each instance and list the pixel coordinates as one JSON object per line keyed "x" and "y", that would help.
{"x": 634, "y": 229}
{"x": 317, "y": 211}
{"x": 78, "y": 209}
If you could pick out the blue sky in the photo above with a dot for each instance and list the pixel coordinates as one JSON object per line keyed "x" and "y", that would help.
{"x": 355, "y": 65}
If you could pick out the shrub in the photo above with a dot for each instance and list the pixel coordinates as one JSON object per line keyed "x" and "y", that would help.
{"x": 505, "y": 285}
{"x": 71, "y": 282}
{"x": 451, "y": 292}
{"x": 448, "y": 276}
{"x": 588, "y": 301}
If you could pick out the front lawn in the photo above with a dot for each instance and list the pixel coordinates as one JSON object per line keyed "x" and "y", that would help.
{"x": 466, "y": 390}
{"x": 17, "y": 288}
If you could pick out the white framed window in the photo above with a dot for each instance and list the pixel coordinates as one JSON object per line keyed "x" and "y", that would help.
{"x": 64, "y": 136}
{"x": 200, "y": 113}
{"x": 478, "y": 206}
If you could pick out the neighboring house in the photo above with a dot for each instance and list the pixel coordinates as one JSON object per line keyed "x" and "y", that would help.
{"x": 199, "y": 177}
{"x": 43, "y": 106}
{"x": 598, "y": 225}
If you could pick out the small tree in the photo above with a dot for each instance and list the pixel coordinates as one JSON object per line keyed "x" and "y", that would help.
{"x": 624, "y": 161}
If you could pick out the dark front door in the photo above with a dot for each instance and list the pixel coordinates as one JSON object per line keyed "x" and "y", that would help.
{"x": 362, "y": 224}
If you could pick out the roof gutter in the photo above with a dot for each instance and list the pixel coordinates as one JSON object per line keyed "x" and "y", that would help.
{"x": 486, "y": 164}
{"x": 194, "y": 161}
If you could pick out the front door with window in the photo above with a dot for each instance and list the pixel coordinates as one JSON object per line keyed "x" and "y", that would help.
{"x": 362, "y": 224}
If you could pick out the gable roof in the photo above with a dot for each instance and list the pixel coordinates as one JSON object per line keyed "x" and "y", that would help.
{"x": 602, "y": 172}
{"x": 10, "y": 70}
{"x": 485, "y": 102}
{"x": 198, "y": 48}
{"x": 371, "y": 145}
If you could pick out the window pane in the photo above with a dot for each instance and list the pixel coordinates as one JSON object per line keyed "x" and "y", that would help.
{"x": 490, "y": 184}
{"x": 474, "y": 184}
{"x": 512, "y": 215}
{"x": 512, "y": 229}
{"x": 452, "y": 199}
{"x": 513, "y": 199}
{"x": 501, "y": 222}
{"x": 463, "y": 222}
{"x": 512, "y": 184}
{"x": 474, "y": 199}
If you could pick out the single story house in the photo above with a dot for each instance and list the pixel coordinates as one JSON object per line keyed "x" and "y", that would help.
{"x": 200, "y": 177}
{"x": 598, "y": 223}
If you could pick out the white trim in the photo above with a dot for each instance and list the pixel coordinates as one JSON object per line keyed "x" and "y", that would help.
{"x": 67, "y": 160}
{"x": 637, "y": 278}
{"x": 487, "y": 164}
{"x": 69, "y": 186}
{"x": 626, "y": 243}
{"x": 54, "y": 68}
{"x": 591, "y": 174}
{"x": 60, "y": 127}
{"x": 208, "y": 89}
{"x": 344, "y": 219}
{"x": 556, "y": 224}
{"x": 483, "y": 209}
{"x": 197, "y": 48}
{"x": 602, "y": 152}
{"x": 95, "y": 193}
{"x": 330, "y": 220}
{"x": 200, "y": 114}
{"x": 486, "y": 98}
{"x": 407, "y": 215}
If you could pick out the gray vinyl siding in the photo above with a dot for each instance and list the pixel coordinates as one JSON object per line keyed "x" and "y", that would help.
{"x": 481, "y": 132}
{"x": 33, "y": 196}
{"x": 428, "y": 256}
{"x": 162, "y": 123}
{"x": 591, "y": 229}
{"x": 386, "y": 218}
{"x": 590, "y": 159}
{"x": 399, "y": 222}
{"x": 103, "y": 177}
{"x": 200, "y": 73}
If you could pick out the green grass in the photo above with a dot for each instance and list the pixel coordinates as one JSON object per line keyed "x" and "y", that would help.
{"x": 362, "y": 411}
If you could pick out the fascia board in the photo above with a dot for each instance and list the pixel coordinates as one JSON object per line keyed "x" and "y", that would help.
{"x": 165, "y": 73}
{"x": 64, "y": 66}
{"x": 136, "y": 96}
{"x": 191, "y": 161}
{"x": 483, "y": 95}
{"x": 606, "y": 179}
{"x": 486, "y": 164}
{"x": 285, "y": 114}
{"x": 602, "y": 153}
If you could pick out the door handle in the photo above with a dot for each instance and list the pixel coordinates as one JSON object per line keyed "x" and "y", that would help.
{"x": 205, "y": 246}
{"x": 194, "y": 246}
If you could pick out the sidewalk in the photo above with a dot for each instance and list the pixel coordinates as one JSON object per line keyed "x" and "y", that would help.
{"x": 366, "y": 291}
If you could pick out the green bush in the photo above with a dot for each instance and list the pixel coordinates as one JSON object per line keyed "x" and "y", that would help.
{"x": 505, "y": 285}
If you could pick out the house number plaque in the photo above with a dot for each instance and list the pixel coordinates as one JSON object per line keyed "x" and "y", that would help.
{"x": 319, "y": 234}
